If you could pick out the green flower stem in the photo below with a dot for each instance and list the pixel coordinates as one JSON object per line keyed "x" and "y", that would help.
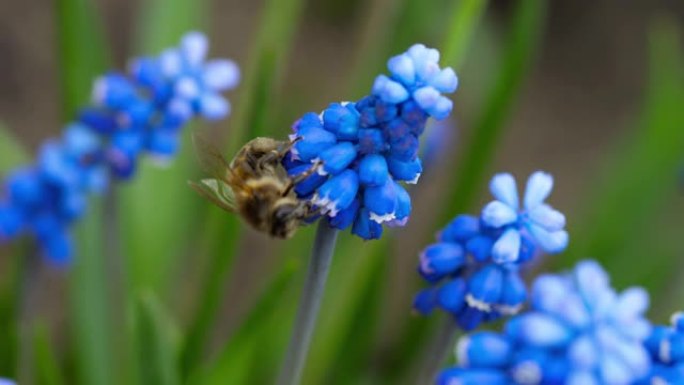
{"x": 439, "y": 350}
{"x": 316, "y": 277}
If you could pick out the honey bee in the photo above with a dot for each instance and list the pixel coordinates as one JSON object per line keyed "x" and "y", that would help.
{"x": 255, "y": 185}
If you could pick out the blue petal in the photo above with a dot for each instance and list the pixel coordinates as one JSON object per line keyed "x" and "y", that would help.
{"x": 507, "y": 248}
{"x": 221, "y": 74}
{"x": 546, "y": 217}
{"x": 313, "y": 141}
{"x": 403, "y": 210}
{"x": 485, "y": 287}
{"x": 337, "y": 193}
{"x": 345, "y": 217}
{"x": 539, "y": 330}
{"x": 214, "y": 106}
{"x": 373, "y": 170}
{"x": 461, "y": 376}
{"x": 451, "y": 295}
{"x": 441, "y": 259}
{"x": 308, "y": 185}
{"x": 337, "y": 158}
{"x": 461, "y": 229}
{"x": 551, "y": 242}
{"x": 405, "y": 149}
{"x": 381, "y": 201}
{"x": 483, "y": 349}
{"x": 366, "y": 228}
{"x": 388, "y": 90}
{"x": 194, "y": 47}
{"x": 371, "y": 141}
{"x": 539, "y": 186}
{"x": 498, "y": 214}
{"x": 401, "y": 67}
{"x": 408, "y": 171}
{"x": 504, "y": 189}
{"x": 342, "y": 120}
{"x": 514, "y": 293}
{"x": 480, "y": 247}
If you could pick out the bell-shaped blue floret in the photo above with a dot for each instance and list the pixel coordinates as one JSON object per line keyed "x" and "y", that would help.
{"x": 441, "y": 259}
{"x": 308, "y": 185}
{"x": 345, "y": 218}
{"x": 403, "y": 209}
{"x": 341, "y": 120}
{"x": 311, "y": 141}
{"x": 485, "y": 287}
{"x": 373, "y": 170}
{"x": 451, "y": 295}
{"x": 408, "y": 171}
{"x": 337, "y": 193}
{"x": 366, "y": 228}
{"x": 381, "y": 201}
{"x": 460, "y": 229}
{"x": 337, "y": 158}
{"x": 484, "y": 349}
{"x": 388, "y": 90}
{"x": 371, "y": 141}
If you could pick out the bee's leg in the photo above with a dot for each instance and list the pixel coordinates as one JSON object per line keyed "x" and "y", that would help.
{"x": 300, "y": 177}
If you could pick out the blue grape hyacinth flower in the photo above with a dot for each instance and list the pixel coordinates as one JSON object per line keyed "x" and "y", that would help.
{"x": 666, "y": 347}
{"x": 470, "y": 278}
{"x": 579, "y": 331}
{"x": 132, "y": 114}
{"x": 363, "y": 150}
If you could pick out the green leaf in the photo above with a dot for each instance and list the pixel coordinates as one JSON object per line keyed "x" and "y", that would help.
{"x": 157, "y": 343}
{"x": 13, "y": 152}
{"x": 83, "y": 51}
{"x": 640, "y": 180}
{"x": 47, "y": 365}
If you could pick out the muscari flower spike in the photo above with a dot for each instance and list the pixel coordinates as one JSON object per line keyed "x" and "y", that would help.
{"x": 666, "y": 347}
{"x": 579, "y": 331}
{"x": 474, "y": 267}
{"x": 132, "y": 114}
{"x": 364, "y": 149}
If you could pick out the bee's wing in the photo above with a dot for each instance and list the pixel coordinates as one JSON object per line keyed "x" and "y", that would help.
{"x": 210, "y": 158}
{"x": 215, "y": 191}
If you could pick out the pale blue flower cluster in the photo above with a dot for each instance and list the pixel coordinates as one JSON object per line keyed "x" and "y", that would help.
{"x": 579, "y": 331}
{"x": 362, "y": 150}
{"x": 131, "y": 115}
{"x": 474, "y": 268}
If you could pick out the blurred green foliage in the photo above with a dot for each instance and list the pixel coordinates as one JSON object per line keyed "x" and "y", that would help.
{"x": 127, "y": 320}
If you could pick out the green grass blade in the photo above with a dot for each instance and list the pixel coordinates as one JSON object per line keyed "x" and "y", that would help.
{"x": 13, "y": 152}
{"x": 157, "y": 343}
{"x": 47, "y": 365}
{"x": 640, "y": 179}
{"x": 477, "y": 155}
{"x": 83, "y": 52}
{"x": 89, "y": 303}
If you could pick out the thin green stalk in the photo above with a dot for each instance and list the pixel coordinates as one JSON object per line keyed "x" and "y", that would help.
{"x": 438, "y": 352}
{"x": 307, "y": 313}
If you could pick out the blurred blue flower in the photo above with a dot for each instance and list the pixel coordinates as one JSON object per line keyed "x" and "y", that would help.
{"x": 666, "y": 347}
{"x": 579, "y": 331}
{"x": 362, "y": 149}
{"x": 131, "y": 114}
{"x": 474, "y": 267}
